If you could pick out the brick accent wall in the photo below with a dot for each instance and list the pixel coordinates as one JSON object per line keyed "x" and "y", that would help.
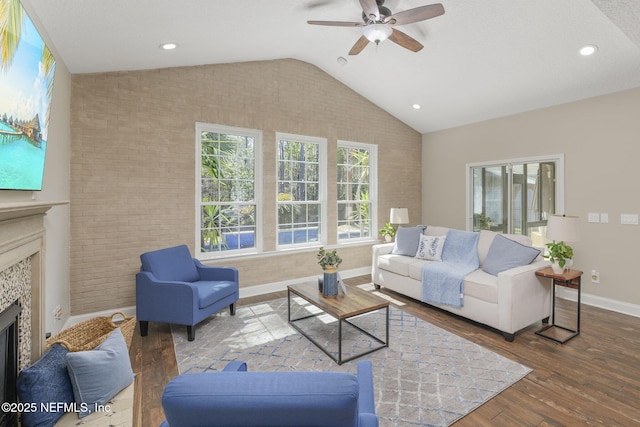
{"x": 133, "y": 161}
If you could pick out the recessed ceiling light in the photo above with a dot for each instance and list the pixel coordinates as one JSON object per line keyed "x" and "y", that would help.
{"x": 416, "y": 106}
{"x": 342, "y": 60}
{"x": 588, "y": 50}
{"x": 168, "y": 46}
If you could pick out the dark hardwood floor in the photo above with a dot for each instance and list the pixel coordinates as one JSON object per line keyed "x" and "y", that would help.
{"x": 593, "y": 379}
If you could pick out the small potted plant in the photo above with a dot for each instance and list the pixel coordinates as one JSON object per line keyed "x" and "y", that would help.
{"x": 560, "y": 254}
{"x": 329, "y": 261}
{"x": 387, "y": 232}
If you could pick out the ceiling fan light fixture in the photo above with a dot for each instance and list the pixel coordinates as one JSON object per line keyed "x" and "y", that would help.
{"x": 377, "y": 33}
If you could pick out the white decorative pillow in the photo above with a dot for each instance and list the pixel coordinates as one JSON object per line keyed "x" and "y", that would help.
{"x": 430, "y": 247}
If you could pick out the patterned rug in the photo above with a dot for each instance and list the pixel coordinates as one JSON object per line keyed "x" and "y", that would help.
{"x": 426, "y": 377}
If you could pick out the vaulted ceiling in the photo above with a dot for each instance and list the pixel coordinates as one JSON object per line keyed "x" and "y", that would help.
{"x": 481, "y": 59}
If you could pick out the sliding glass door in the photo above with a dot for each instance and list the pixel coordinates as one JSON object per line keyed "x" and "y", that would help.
{"x": 515, "y": 196}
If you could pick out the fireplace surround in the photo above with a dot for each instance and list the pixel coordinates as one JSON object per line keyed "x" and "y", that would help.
{"x": 22, "y": 278}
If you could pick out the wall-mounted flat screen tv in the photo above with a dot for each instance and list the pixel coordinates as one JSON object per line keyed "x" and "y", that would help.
{"x": 26, "y": 82}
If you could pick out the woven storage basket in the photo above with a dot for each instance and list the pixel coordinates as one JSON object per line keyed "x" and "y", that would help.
{"x": 90, "y": 333}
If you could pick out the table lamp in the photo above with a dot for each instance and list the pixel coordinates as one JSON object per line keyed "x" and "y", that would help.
{"x": 399, "y": 216}
{"x": 561, "y": 229}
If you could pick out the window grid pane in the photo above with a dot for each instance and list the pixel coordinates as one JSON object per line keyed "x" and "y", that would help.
{"x": 227, "y": 192}
{"x": 353, "y": 182}
{"x": 298, "y": 184}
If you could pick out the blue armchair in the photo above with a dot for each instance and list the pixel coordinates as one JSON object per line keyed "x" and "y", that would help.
{"x": 271, "y": 399}
{"x": 173, "y": 287}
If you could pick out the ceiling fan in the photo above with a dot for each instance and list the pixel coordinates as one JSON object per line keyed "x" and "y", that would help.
{"x": 378, "y": 24}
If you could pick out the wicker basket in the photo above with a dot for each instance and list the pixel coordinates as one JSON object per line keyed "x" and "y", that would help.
{"x": 90, "y": 333}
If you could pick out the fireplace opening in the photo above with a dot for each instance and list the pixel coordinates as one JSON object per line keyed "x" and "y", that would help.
{"x": 9, "y": 362}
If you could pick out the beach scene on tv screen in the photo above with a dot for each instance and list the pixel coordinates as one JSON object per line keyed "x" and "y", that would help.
{"x": 26, "y": 82}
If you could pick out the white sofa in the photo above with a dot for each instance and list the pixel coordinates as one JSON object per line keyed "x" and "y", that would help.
{"x": 508, "y": 302}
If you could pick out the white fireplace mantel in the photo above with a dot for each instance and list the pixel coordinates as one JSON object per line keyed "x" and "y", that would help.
{"x": 22, "y": 235}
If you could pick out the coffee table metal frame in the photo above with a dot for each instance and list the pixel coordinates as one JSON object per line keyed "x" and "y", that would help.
{"x": 341, "y": 310}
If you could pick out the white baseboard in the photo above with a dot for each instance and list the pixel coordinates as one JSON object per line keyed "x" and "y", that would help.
{"x": 252, "y": 291}
{"x": 600, "y": 302}
{"x": 249, "y": 291}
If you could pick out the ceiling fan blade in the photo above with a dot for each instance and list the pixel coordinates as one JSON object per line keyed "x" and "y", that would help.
{"x": 405, "y": 41}
{"x": 337, "y": 23}
{"x": 416, "y": 14}
{"x": 370, "y": 8}
{"x": 318, "y": 3}
{"x": 360, "y": 44}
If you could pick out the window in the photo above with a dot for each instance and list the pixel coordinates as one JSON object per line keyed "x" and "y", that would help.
{"x": 356, "y": 178}
{"x": 228, "y": 196}
{"x": 301, "y": 178}
{"x": 516, "y": 196}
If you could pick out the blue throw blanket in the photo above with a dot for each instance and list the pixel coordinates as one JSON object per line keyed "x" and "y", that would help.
{"x": 443, "y": 282}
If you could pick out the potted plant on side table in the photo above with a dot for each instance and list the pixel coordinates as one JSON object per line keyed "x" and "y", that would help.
{"x": 329, "y": 261}
{"x": 561, "y": 256}
{"x": 387, "y": 232}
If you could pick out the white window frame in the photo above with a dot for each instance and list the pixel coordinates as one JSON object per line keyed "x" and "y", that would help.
{"x": 373, "y": 191}
{"x": 322, "y": 188}
{"x": 257, "y": 191}
{"x": 558, "y": 159}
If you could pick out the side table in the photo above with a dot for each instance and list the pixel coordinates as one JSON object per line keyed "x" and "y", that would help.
{"x": 570, "y": 279}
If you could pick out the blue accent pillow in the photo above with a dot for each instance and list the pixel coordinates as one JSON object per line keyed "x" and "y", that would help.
{"x": 45, "y": 381}
{"x": 407, "y": 239}
{"x": 505, "y": 253}
{"x": 99, "y": 374}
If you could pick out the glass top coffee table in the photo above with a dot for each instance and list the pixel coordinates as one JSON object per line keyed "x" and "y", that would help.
{"x": 360, "y": 317}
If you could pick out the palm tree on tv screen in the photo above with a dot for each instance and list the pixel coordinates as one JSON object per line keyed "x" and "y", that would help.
{"x": 12, "y": 16}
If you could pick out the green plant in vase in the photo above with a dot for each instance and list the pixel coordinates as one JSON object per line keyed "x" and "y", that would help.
{"x": 558, "y": 253}
{"x": 387, "y": 232}
{"x": 329, "y": 261}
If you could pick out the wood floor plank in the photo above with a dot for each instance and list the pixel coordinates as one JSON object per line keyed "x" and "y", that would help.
{"x": 593, "y": 379}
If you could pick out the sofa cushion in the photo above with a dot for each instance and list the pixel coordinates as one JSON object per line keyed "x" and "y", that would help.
{"x": 45, "y": 381}
{"x": 484, "y": 243}
{"x": 505, "y": 253}
{"x": 398, "y": 264}
{"x": 98, "y": 375}
{"x": 430, "y": 247}
{"x": 482, "y": 286}
{"x": 171, "y": 264}
{"x": 212, "y": 291}
{"x": 415, "y": 269}
{"x": 434, "y": 230}
{"x": 407, "y": 239}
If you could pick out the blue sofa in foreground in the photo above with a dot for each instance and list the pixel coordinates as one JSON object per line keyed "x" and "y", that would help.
{"x": 234, "y": 398}
{"x": 173, "y": 287}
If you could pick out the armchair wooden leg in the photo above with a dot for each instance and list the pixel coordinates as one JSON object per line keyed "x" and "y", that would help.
{"x": 144, "y": 328}
{"x": 232, "y": 309}
{"x": 191, "y": 333}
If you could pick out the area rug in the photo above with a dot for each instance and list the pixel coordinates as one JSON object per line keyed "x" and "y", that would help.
{"x": 426, "y": 377}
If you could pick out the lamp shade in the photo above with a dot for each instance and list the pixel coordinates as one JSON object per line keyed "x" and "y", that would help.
{"x": 377, "y": 33}
{"x": 562, "y": 228}
{"x": 399, "y": 216}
